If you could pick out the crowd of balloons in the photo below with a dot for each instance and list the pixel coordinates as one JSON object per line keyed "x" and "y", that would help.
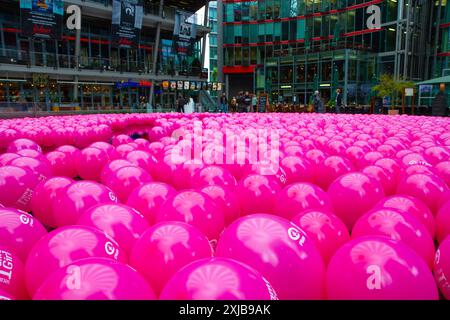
{"x": 105, "y": 207}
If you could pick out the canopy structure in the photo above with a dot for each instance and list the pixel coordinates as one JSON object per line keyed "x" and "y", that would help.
{"x": 439, "y": 80}
{"x": 188, "y": 5}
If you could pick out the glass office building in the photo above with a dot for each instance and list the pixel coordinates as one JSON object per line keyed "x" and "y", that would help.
{"x": 290, "y": 48}
{"x": 104, "y": 77}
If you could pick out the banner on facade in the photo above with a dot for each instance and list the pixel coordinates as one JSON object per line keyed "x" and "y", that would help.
{"x": 127, "y": 22}
{"x": 42, "y": 18}
{"x": 184, "y": 33}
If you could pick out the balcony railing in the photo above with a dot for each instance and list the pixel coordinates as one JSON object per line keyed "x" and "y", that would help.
{"x": 57, "y": 61}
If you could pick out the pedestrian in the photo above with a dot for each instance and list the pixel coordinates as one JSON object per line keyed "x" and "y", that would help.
{"x": 318, "y": 103}
{"x": 233, "y": 104}
{"x": 254, "y": 103}
{"x": 338, "y": 100}
{"x": 247, "y": 102}
{"x": 224, "y": 103}
{"x": 180, "y": 104}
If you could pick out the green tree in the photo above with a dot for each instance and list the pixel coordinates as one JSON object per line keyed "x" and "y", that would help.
{"x": 389, "y": 87}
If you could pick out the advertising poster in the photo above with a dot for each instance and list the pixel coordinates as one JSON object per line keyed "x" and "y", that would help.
{"x": 184, "y": 33}
{"x": 126, "y": 22}
{"x": 42, "y": 18}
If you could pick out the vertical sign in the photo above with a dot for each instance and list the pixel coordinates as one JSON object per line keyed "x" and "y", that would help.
{"x": 184, "y": 33}
{"x": 126, "y": 22}
{"x": 42, "y": 18}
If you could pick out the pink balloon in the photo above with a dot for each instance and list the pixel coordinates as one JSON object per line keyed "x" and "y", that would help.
{"x": 121, "y": 139}
{"x": 95, "y": 279}
{"x": 426, "y": 187}
{"x": 19, "y": 231}
{"x": 195, "y": 208}
{"x": 331, "y": 169}
{"x": 279, "y": 251}
{"x": 299, "y": 197}
{"x": 16, "y": 187}
{"x": 442, "y": 268}
{"x": 64, "y": 246}
{"x": 21, "y": 144}
{"x": 213, "y": 175}
{"x": 144, "y": 160}
{"x": 6, "y": 158}
{"x": 386, "y": 180}
{"x": 119, "y": 221}
{"x": 443, "y": 222}
{"x": 354, "y": 194}
{"x": 142, "y": 144}
{"x": 124, "y": 180}
{"x": 113, "y": 166}
{"x": 61, "y": 164}
{"x": 225, "y": 199}
{"x": 6, "y": 295}
{"x": 257, "y": 193}
{"x": 12, "y": 275}
{"x": 297, "y": 169}
{"x": 391, "y": 166}
{"x": 149, "y": 198}
{"x": 124, "y": 149}
{"x": 45, "y": 195}
{"x": 108, "y": 148}
{"x": 397, "y": 225}
{"x": 378, "y": 268}
{"x": 34, "y": 167}
{"x": 77, "y": 198}
{"x": 218, "y": 279}
{"x": 327, "y": 231}
{"x": 436, "y": 154}
{"x": 90, "y": 163}
{"x": 443, "y": 171}
{"x": 412, "y": 206}
{"x": 166, "y": 248}
{"x": 71, "y": 151}
{"x": 369, "y": 159}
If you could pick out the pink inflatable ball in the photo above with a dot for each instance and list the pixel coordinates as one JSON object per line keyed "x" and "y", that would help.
{"x": 443, "y": 222}
{"x": 156, "y": 149}
{"x": 6, "y": 158}
{"x": 296, "y": 151}
{"x": 106, "y": 147}
{"x": 442, "y": 268}
{"x": 213, "y": 175}
{"x": 279, "y": 251}
{"x": 354, "y": 194}
{"x": 387, "y": 150}
{"x": 369, "y": 159}
{"x": 332, "y": 168}
{"x": 6, "y": 295}
{"x": 45, "y": 195}
{"x": 21, "y": 144}
{"x": 144, "y": 160}
{"x": 95, "y": 279}
{"x": 297, "y": 169}
{"x": 34, "y": 167}
{"x": 412, "y": 159}
{"x": 390, "y": 165}
{"x": 143, "y": 144}
{"x": 121, "y": 222}
{"x": 412, "y": 206}
{"x": 121, "y": 139}
{"x": 427, "y": 187}
{"x": 124, "y": 180}
{"x": 7, "y": 135}
{"x": 336, "y": 147}
{"x": 195, "y": 208}
{"x": 90, "y": 163}
{"x": 19, "y": 231}
{"x": 218, "y": 279}
{"x": 63, "y": 246}
{"x": 385, "y": 178}
{"x": 298, "y": 197}
{"x": 225, "y": 199}
{"x": 355, "y": 154}
{"x": 61, "y": 164}
{"x": 113, "y": 166}
{"x": 399, "y": 226}
{"x": 363, "y": 145}
{"x": 33, "y": 154}
{"x": 165, "y": 248}
{"x": 77, "y": 198}
{"x": 378, "y": 268}
{"x": 257, "y": 193}
{"x": 124, "y": 149}
{"x": 12, "y": 275}
{"x": 327, "y": 231}
{"x": 442, "y": 169}
{"x": 16, "y": 187}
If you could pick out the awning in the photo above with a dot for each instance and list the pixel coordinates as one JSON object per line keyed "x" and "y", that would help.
{"x": 440, "y": 80}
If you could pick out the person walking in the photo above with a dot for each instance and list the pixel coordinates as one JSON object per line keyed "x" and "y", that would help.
{"x": 180, "y": 104}
{"x": 254, "y": 103}
{"x": 338, "y": 100}
{"x": 224, "y": 103}
{"x": 233, "y": 104}
{"x": 247, "y": 102}
{"x": 318, "y": 103}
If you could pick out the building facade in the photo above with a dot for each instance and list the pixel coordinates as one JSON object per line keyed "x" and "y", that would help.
{"x": 290, "y": 48}
{"x": 102, "y": 76}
